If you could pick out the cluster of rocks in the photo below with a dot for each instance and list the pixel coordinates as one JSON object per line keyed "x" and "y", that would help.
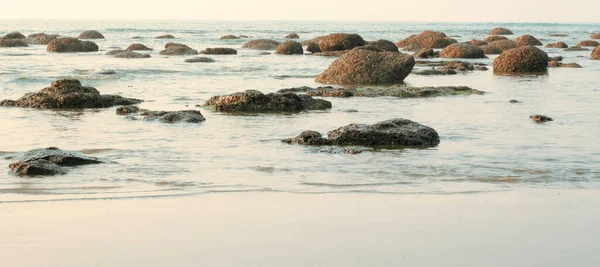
{"x": 187, "y": 116}
{"x": 395, "y": 91}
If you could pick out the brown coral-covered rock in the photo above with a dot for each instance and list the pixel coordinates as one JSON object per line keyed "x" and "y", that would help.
{"x": 340, "y": 41}
{"x": 229, "y": 37}
{"x": 292, "y": 36}
{"x": 90, "y": 35}
{"x": 557, "y": 64}
{"x": 13, "y": 43}
{"x": 313, "y": 48}
{"x": 588, "y": 43}
{"x": 178, "y": 49}
{"x": 219, "y": 51}
{"x": 557, "y": 45}
{"x": 289, "y": 48}
{"x": 384, "y": 45}
{"x": 478, "y": 42}
{"x": 595, "y": 36}
{"x": 426, "y": 53}
{"x": 368, "y": 67}
{"x": 130, "y": 54}
{"x": 500, "y": 31}
{"x": 522, "y": 59}
{"x": 166, "y": 36}
{"x": 494, "y": 38}
{"x": 40, "y": 38}
{"x": 255, "y": 101}
{"x": 14, "y": 35}
{"x": 490, "y": 50}
{"x": 527, "y": 40}
{"x": 138, "y": 47}
{"x": 261, "y": 44}
{"x": 504, "y": 45}
{"x": 596, "y": 53}
{"x": 71, "y": 45}
{"x": 462, "y": 50}
{"x": 315, "y": 40}
{"x": 427, "y": 39}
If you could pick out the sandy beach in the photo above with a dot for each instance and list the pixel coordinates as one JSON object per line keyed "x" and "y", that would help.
{"x": 528, "y": 227}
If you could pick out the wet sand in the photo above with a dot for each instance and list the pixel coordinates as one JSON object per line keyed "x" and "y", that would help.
{"x": 526, "y": 227}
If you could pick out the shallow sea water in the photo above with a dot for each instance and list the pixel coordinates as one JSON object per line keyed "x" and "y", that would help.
{"x": 487, "y": 144}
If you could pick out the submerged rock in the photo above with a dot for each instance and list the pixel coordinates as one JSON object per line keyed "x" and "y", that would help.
{"x": 384, "y": 45}
{"x": 478, "y": 42}
{"x": 500, "y": 31}
{"x": 255, "y": 101}
{"x": 527, "y": 40}
{"x": 432, "y": 71}
{"x": 219, "y": 51}
{"x": 292, "y": 36}
{"x": 462, "y": 50}
{"x": 395, "y": 91}
{"x": 188, "y": 116}
{"x": 426, "y": 53}
{"x": 540, "y": 118}
{"x": 453, "y": 65}
{"x": 289, "y": 48}
{"x": 229, "y": 37}
{"x": 596, "y": 53}
{"x": 40, "y": 38}
{"x": 557, "y": 64}
{"x": 261, "y": 44}
{"x": 13, "y": 35}
{"x": 558, "y": 35}
{"x": 68, "y": 93}
{"x": 504, "y": 45}
{"x": 494, "y": 38}
{"x": 49, "y": 161}
{"x": 71, "y": 45}
{"x": 130, "y": 54}
{"x": 199, "y": 60}
{"x": 175, "y": 49}
{"x": 138, "y": 47}
{"x": 125, "y": 110}
{"x": 427, "y": 39}
{"x": 557, "y": 45}
{"x": 13, "y": 43}
{"x": 588, "y": 43}
{"x": 368, "y": 67}
{"x": 166, "y": 36}
{"x": 522, "y": 59}
{"x": 331, "y": 53}
{"x": 90, "y": 35}
{"x": 340, "y": 42}
{"x": 576, "y": 48}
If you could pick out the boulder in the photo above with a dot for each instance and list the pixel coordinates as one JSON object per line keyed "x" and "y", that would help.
{"x": 426, "y": 53}
{"x": 219, "y": 51}
{"x": 90, "y": 35}
{"x": 384, "y": 45}
{"x": 175, "y": 49}
{"x": 394, "y": 132}
{"x": 368, "y": 67}
{"x": 40, "y": 38}
{"x": 261, "y": 44}
{"x": 477, "y": 42}
{"x": 289, "y": 48}
{"x": 596, "y": 53}
{"x": 166, "y": 36}
{"x": 130, "y": 54}
{"x": 13, "y": 43}
{"x": 114, "y": 52}
{"x": 490, "y": 50}
{"x": 49, "y": 161}
{"x": 315, "y": 40}
{"x": 399, "y": 91}
{"x": 527, "y": 40}
{"x": 540, "y": 118}
{"x": 138, "y": 47}
{"x": 576, "y": 48}
{"x": 500, "y": 31}
{"x": 340, "y": 41}
{"x": 427, "y": 39}
{"x": 313, "y": 48}
{"x": 189, "y": 116}
{"x": 595, "y": 36}
{"x": 522, "y": 59}
{"x": 292, "y": 36}
{"x": 557, "y": 45}
{"x": 229, "y": 37}
{"x": 199, "y": 60}
{"x": 413, "y": 48}
{"x": 68, "y": 93}
{"x": 588, "y": 43}
{"x": 255, "y": 101}
{"x": 462, "y": 50}
{"x": 71, "y": 45}
{"x": 494, "y": 38}
{"x": 13, "y": 35}
{"x": 558, "y": 64}
{"x": 125, "y": 110}
{"x": 504, "y": 45}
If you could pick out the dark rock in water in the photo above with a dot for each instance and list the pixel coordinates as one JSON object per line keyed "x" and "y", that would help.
{"x": 596, "y": 53}
{"x": 540, "y": 118}
{"x": 114, "y": 52}
{"x": 199, "y": 60}
{"x": 490, "y": 50}
{"x": 504, "y": 45}
{"x": 264, "y": 53}
{"x": 136, "y": 37}
{"x": 340, "y": 41}
{"x": 130, "y": 54}
{"x": 522, "y": 59}
{"x": 453, "y": 65}
{"x": 189, "y": 116}
{"x": 556, "y": 58}
{"x": 138, "y": 47}
{"x": 68, "y": 93}
{"x": 166, "y": 36}
{"x": 527, "y": 40}
{"x": 261, "y": 44}
{"x": 494, "y": 38}
{"x": 462, "y": 50}
{"x": 107, "y": 72}
{"x": 368, "y": 48}
{"x": 331, "y": 53}
{"x": 414, "y": 48}
{"x": 71, "y": 45}
{"x": 395, "y": 91}
{"x": 557, "y": 45}
{"x": 125, "y": 110}
{"x": 576, "y": 48}
{"x": 175, "y": 49}
{"x": 255, "y": 101}
{"x": 14, "y": 35}
{"x": 500, "y": 31}
{"x": 394, "y": 132}
{"x": 588, "y": 43}
{"x": 350, "y": 111}
{"x": 219, "y": 51}
{"x": 229, "y": 37}
{"x": 429, "y": 72}
{"x": 477, "y": 42}
{"x": 368, "y": 67}
{"x": 557, "y": 64}
{"x": 514, "y": 101}
{"x": 313, "y": 48}
{"x": 384, "y": 45}
{"x": 40, "y": 38}
{"x": 558, "y": 35}
{"x": 90, "y": 35}
{"x": 49, "y": 161}
{"x": 292, "y": 36}
{"x": 426, "y": 53}
{"x": 315, "y": 40}
{"x": 13, "y": 43}
{"x": 427, "y": 39}
{"x": 289, "y": 48}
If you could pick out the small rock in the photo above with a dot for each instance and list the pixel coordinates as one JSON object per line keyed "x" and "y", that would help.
{"x": 178, "y": 50}
{"x": 219, "y": 51}
{"x": 125, "y": 110}
{"x": 540, "y": 118}
{"x": 588, "y": 43}
{"x": 289, "y": 48}
{"x": 166, "y": 36}
{"x": 199, "y": 60}
{"x": 500, "y": 31}
{"x": 261, "y": 44}
{"x": 90, "y": 35}
{"x": 292, "y": 36}
{"x": 138, "y": 47}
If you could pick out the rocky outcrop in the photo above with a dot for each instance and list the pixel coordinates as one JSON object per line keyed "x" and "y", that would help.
{"x": 199, "y": 60}
{"x": 477, "y": 42}
{"x": 90, "y": 35}
{"x": 490, "y": 50}
{"x": 426, "y": 53}
{"x": 588, "y": 43}
{"x": 394, "y": 132}
{"x": 427, "y": 39}
{"x": 595, "y": 36}
{"x": 540, "y": 118}
{"x": 261, "y": 44}
{"x": 13, "y": 35}
{"x": 576, "y": 48}
{"x": 229, "y": 37}
{"x": 40, "y": 38}
{"x": 255, "y": 101}
{"x": 13, "y": 43}
{"x": 126, "y": 110}
{"x": 292, "y": 36}
{"x": 290, "y": 48}
{"x": 138, "y": 47}
{"x": 500, "y": 31}
{"x": 384, "y": 45}
{"x": 596, "y": 53}
{"x": 49, "y": 161}
{"x": 313, "y": 48}
{"x": 522, "y": 59}
{"x": 504, "y": 45}
{"x": 368, "y": 67}
{"x": 462, "y": 50}
{"x": 557, "y": 45}
{"x": 166, "y": 36}
{"x": 558, "y": 64}
{"x": 130, "y": 54}
{"x": 219, "y": 51}
{"x": 71, "y": 45}
{"x": 527, "y": 40}
{"x": 188, "y": 116}
{"x": 340, "y": 42}
{"x": 68, "y": 93}
{"x": 175, "y": 49}
{"x": 394, "y": 91}
{"x": 494, "y": 38}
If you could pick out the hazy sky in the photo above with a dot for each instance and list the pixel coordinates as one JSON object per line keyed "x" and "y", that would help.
{"x": 374, "y": 10}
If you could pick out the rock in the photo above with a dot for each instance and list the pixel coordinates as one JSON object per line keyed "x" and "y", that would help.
{"x": 588, "y": 43}
{"x": 595, "y": 36}
{"x": 576, "y": 48}
{"x": 71, "y": 45}
{"x": 199, "y": 60}
{"x": 136, "y": 37}
{"x": 522, "y": 59}
{"x": 289, "y": 48}
{"x": 426, "y": 53}
{"x": 394, "y": 91}
{"x": 462, "y": 50}
{"x": 490, "y": 50}
{"x": 125, "y": 110}
{"x": 49, "y": 161}
{"x": 500, "y": 31}
{"x": 413, "y": 48}
{"x": 514, "y": 101}
{"x": 166, "y": 36}
{"x": 219, "y": 51}
{"x": 229, "y": 37}
{"x": 596, "y": 53}
{"x": 557, "y": 64}
{"x": 107, "y": 72}
{"x": 557, "y": 58}
{"x": 189, "y": 116}
{"x": 527, "y": 40}
{"x": 368, "y": 67}
{"x": 14, "y": 35}
{"x": 90, "y": 35}
{"x": 504, "y": 45}
{"x": 114, "y": 52}
{"x": 255, "y": 101}
{"x": 435, "y": 72}
{"x": 138, "y": 47}
{"x": 477, "y": 42}
{"x": 494, "y": 38}
{"x": 558, "y": 35}
{"x": 557, "y": 45}
{"x": 13, "y": 43}
{"x": 540, "y": 118}
{"x": 384, "y": 45}
{"x": 264, "y": 53}
{"x": 178, "y": 50}
{"x": 130, "y": 54}
{"x": 453, "y": 65}
{"x": 315, "y": 40}
{"x": 313, "y": 48}
{"x": 331, "y": 53}
{"x": 292, "y": 36}
{"x": 365, "y": 47}
{"x": 40, "y": 38}
{"x": 261, "y": 44}
{"x": 340, "y": 41}
{"x": 394, "y": 132}
{"x": 68, "y": 93}
{"x": 427, "y": 39}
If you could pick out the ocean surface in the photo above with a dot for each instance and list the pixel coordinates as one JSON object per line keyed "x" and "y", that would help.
{"x": 487, "y": 143}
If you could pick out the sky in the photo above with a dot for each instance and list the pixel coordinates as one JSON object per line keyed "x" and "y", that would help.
{"x": 582, "y": 11}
